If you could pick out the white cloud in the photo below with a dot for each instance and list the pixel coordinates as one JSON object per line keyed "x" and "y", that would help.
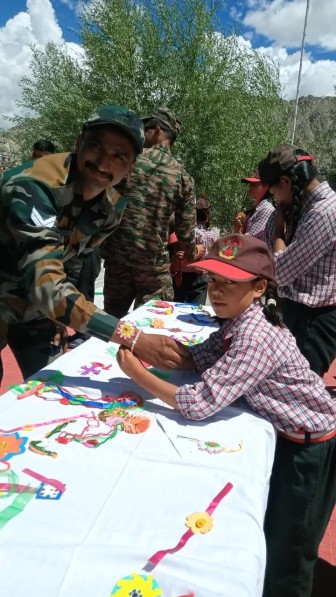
{"x": 38, "y": 25}
{"x": 282, "y": 21}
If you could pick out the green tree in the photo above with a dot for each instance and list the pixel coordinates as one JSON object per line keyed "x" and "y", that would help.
{"x": 174, "y": 52}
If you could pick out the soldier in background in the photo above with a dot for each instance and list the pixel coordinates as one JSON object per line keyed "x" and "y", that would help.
{"x": 42, "y": 147}
{"x": 137, "y": 264}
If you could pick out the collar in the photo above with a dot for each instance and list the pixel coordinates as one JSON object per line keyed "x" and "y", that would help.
{"x": 230, "y": 326}
{"x": 161, "y": 147}
{"x": 314, "y": 196}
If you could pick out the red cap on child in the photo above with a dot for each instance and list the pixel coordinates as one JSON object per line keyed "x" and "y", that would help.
{"x": 239, "y": 257}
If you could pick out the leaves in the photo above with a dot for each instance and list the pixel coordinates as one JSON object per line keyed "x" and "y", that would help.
{"x": 153, "y": 52}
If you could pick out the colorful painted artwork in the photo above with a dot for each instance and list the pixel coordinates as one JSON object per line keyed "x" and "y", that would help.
{"x": 197, "y": 522}
{"x": 136, "y": 585}
{"x": 212, "y": 447}
{"x": 92, "y": 430}
{"x": 11, "y": 444}
{"x": 94, "y": 368}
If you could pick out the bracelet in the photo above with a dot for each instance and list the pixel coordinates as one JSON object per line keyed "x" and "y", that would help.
{"x": 135, "y": 341}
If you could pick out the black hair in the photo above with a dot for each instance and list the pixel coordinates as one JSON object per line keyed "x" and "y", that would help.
{"x": 300, "y": 174}
{"x": 44, "y": 145}
{"x": 272, "y": 311}
{"x": 203, "y": 217}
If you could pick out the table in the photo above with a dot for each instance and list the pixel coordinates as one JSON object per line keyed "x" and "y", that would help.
{"x": 128, "y": 499}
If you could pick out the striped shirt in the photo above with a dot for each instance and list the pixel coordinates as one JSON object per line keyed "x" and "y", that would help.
{"x": 251, "y": 358}
{"x": 306, "y": 269}
{"x": 255, "y": 223}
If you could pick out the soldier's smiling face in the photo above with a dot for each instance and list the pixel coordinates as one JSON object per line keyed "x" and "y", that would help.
{"x": 105, "y": 156}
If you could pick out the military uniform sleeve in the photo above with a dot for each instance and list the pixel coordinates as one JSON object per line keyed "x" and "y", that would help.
{"x": 185, "y": 217}
{"x": 38, "y": 247}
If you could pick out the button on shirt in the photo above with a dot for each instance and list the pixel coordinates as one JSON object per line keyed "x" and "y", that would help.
{"x": 262, "y": 365}
{"x": 255, "y": 223}
{"x": 306, "y": 269}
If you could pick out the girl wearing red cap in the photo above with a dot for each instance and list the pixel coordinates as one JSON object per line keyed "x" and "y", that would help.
{"x": 302, "y": 235}
{"x": 255, "y": 357}
{"x": 254, "y": 221}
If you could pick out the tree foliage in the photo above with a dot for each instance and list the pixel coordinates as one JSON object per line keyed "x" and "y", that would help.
{"x": 174, "y": 52}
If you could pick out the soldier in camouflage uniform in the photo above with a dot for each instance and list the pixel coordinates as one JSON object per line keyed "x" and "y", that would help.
{"x": 137, "y": 265}
{"x": 53, "y": 212}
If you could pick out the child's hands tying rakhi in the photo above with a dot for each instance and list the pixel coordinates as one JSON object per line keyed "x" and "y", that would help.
{"x": 129, "y": 363}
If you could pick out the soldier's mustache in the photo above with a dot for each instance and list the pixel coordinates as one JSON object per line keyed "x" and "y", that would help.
{"x": 93, "y": 166}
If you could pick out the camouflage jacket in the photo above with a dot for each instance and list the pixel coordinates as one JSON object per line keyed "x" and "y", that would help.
{"x": 158, "y": 187}
{"x": 46, "y": 229}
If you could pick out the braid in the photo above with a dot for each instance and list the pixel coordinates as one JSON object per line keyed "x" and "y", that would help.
{"x": 272, "y": 311}
{"x": 298, "y": 199}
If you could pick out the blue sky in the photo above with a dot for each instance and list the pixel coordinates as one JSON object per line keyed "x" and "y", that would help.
{"x": 272, "y": 26}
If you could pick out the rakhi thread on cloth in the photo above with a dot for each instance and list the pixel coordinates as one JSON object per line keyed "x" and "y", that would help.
{"x": 97, "y": 430}
{"x": 212, "y": 447}
{"x": 65, "y": 397}
{"x": 20, "y": 501}
{"x": 198, "y": 522}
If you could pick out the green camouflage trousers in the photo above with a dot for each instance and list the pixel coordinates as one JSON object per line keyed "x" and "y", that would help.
{"x": 121, "y": 288}
{"x": 31, "y": 344}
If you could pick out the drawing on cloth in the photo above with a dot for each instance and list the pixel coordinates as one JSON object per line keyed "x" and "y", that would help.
{"x": 136, "y": 585}
{"x": 212, "y": 447}
{"x": 11, "y": 444}
{"x": 92, "y": 429}
{"x": 94, "y": 368}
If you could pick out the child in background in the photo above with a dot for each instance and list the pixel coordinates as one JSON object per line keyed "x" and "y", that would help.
{"x": 302, "y": 234}
{"x": 190, "y": 286}
{"x": 254, "y": 221}
{"x": 254, "y": 356}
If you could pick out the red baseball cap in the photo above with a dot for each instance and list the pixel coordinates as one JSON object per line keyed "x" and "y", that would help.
{"x": 239, "y": 257}
{"x": 253, "y": 178}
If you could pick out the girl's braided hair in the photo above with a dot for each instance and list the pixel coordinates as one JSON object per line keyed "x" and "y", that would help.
{"x": 299, "y": 174}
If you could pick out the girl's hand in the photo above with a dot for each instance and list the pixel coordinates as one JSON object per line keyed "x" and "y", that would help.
{"x": 128, "y": 362}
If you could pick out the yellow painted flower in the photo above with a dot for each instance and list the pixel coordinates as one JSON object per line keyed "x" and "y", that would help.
{"x": 137, "y": 585}
{"x": 199, "y": 522}
{"x": 126, "y": 330}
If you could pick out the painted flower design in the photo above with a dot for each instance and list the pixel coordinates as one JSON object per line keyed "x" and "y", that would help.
{"x": 136, "y": 424}
{"x": 211, "y": 447}
{"x": 137, "y": 585}
{"x": 11, "y": 444}
{"x": 157, "y": 323}
{"x": 199, "y": 522}
{"x": 126, "y": 330}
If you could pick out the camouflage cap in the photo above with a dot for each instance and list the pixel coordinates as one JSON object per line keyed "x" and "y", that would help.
{"x": 164, "y": 116}
{"x": 279, "y": 160}
{"x": 124, "y": 119}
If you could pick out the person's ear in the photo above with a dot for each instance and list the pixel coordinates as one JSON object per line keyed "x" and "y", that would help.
{"x": 260, "y": 286}
{"x": 286, "y": 181}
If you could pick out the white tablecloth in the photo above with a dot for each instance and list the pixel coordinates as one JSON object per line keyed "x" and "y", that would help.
{"x": 129, "y": 498}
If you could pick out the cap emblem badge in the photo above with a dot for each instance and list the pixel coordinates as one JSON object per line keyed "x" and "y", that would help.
{"x": 230, "y": 250}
